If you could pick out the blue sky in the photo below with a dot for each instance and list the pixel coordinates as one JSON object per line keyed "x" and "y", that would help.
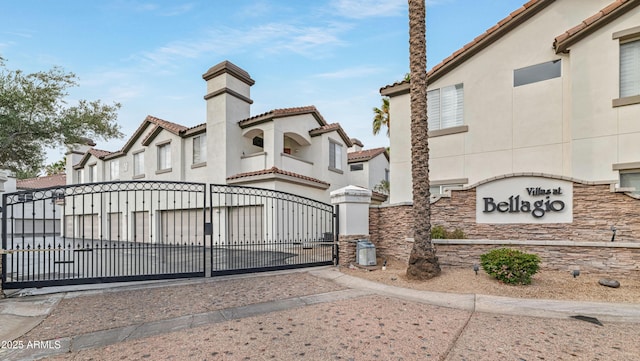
{"x": 149, "y": 55}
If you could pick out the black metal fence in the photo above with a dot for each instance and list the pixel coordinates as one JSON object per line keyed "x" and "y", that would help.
{"x": 145, "y": 230}
{"x": 103, "y": 232}
{"x": 255, "y": 229}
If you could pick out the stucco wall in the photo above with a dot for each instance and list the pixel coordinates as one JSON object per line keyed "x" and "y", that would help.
{"x": 565, "y": 125}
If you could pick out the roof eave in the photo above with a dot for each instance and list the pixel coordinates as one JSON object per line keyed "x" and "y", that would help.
{"x": 564, "y": 45}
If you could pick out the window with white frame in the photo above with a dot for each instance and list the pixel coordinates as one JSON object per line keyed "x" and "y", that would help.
{"x": 138, "y": 164}
{"x": 114, "y": 169}
{"x": 630, "y": 178}
{"x": 335, "y": 156}
{"x": 630, "y": 68}
{"x": 445, "y": 107}
{"x": 93, "y": 173}
{"x": 164, "y": 156}
{"x": 200, "y": 149}
{"x": 79, "y": 176}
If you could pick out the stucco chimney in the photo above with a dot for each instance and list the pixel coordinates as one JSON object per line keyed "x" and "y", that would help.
{"x": 228, "y": 101}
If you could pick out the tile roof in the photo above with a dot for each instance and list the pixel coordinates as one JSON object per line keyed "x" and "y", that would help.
{"x": 275, "y": 170}
{"x": 482, "y": 41}
{"x": 330, "y": 128}
{"x": 283, "y": 112}
{"x": 55, "y": 180}
{"x": 592, "y": 23}
{"x": 98, "y": 153}
{"x": 172, "y": 127}
{"x": 365, "y": 155}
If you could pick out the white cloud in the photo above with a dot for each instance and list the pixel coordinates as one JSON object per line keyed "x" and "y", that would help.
{"x": 272, "y": 38}
{"x": 359, "y": 9}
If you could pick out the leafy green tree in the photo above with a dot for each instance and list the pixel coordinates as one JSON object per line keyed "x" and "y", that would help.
{"x": 34, "y": 116}
{"x": 381, "y": 117}
{"x": 56, "y": 168}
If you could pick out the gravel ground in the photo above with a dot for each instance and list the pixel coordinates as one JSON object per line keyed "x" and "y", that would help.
{"x": 369, "y": 328}
{"x": 84, "y": 314}
{"x": 365, "y": 328}
{"x": 546, "y": 284}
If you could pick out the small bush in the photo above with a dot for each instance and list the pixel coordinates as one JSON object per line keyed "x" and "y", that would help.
{"x": 510, "y": 265}
{"x": 439, "y": 232}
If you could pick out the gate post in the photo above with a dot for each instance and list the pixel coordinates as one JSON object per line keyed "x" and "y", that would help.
{"x": 353, "y": 220}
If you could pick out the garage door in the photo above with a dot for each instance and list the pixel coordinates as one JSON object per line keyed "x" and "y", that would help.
{"x": 114, "y": 226}
{"x": 183, "y": 226}
{"x": 141, "y": 226}
{"x": 88, "y": 225}
{"x": 245, "y": 225}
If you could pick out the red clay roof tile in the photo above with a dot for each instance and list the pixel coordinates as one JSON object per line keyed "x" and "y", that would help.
{"x": 365, "y": 155}
{"x": 563, "y": 41}
{"x": 55, "y": 180}
{"x": 275, "y": 170}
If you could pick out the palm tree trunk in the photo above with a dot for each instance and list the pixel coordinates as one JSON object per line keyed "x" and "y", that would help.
{"x": 423, "y": 263}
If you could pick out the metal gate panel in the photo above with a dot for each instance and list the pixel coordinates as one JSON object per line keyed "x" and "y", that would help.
{"x": 88, "y": 238}
{"x": 256, "y": 230}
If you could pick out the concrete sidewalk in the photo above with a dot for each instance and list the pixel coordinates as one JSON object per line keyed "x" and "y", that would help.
{"x": 18, "y": 315}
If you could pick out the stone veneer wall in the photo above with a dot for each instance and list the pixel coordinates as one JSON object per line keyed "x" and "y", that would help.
{"x": 595, "y": 210}
{"x": 598, "y": 257}
{"x": 347, "y": 248}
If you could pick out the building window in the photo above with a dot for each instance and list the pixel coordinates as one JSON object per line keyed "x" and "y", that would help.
{"x": 164, "y": 156}
{"x": 200, "y": 149}
{"x": 356, "y": 167}
{"x": 138, "y": 164}
{"x": 79, "y": 176}
{"x": 335, "y": 156}
{"x": 630, "y": 178}
{"x": 114, "y": 169}
{"x": 536, "y": 73}
{"x": 445, "y": 107}
{"x": 93, "y": 173}
{"x": 630, "y": 68}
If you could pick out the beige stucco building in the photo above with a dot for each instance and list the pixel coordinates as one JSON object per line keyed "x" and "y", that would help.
{"x": 553, "y": 88}
{"x": 294, "y": 150}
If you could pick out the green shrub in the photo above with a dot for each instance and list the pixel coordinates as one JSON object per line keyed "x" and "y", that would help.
{"x": 439, "y": 232}
{"x": 456, "y": 234}
{"x": 510, "y": 265}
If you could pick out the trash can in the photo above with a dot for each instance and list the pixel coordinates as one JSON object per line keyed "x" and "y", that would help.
{"x": 365, "y": 253}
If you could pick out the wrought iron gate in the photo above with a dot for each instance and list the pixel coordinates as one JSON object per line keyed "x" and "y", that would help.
{"x": 146, "y": 230}
{"x": 255, "y": 229}
{"x": 103, "y": 232}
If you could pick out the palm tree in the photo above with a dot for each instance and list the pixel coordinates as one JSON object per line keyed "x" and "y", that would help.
{"x": 381, "y": 117}
{"x": 423, "y": 263}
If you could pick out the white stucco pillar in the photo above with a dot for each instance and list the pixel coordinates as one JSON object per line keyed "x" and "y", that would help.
{"x": 353, "y": 219}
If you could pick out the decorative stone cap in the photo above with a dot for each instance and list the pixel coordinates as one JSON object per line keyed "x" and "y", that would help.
{"x": 351, "y": 194}
{"x": 230, "y": 68}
